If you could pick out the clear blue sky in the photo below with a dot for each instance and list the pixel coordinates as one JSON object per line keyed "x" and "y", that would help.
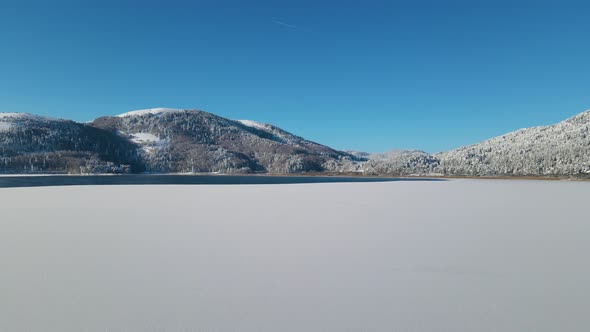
{"x": 364, "y": 75}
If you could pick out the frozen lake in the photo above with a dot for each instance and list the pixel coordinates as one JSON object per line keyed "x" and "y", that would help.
{"x": 15, "y": 181}
{"x": 459, "y": 255}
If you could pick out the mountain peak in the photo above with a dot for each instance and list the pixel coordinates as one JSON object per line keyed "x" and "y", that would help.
{"x": 253, "y": 124}
{"x": 22, "y": 116}
{"x": 157, "y": 110}
{"x": 9, "y": 120}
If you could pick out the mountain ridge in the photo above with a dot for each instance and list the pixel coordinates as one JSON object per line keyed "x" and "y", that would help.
{"x": 199, "y": 141}
{"x": 561, "y": 148}
{"x": 167, "y": 140}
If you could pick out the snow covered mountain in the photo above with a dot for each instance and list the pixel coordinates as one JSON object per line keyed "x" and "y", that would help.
{"x": 12, "y": 120}
{"x": 31, "y": 143}
{"x": 562, "y": 149}
{"x": 176, "y": 140}
{"x": 172, "y": 140}
{"x": 559, "y": 149}
{"x": 157, "y": 110}
{"x": 400, "y": 162}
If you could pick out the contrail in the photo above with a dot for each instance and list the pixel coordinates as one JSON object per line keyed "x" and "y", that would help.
{"x": 285, "y": 24}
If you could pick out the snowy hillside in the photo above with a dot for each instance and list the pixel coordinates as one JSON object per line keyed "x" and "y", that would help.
{"x": 562, "y": 149}
{"x": 400, "y": 162}
{"x": 253, "y": 124}
{"x": 157, "y": 110}
{"x": 559, "y": 149}
{"x": 12, "y": 120}
{"x": 176, "y": 140}
{"x": 173, "y": 140}
{"x": 36, "y": 144}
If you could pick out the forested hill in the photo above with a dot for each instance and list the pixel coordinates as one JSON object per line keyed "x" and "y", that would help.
{"x": 561, "y": 149}
{"x": 173, "y": 140}
{"x": 166, "y": 140}
{"x": 158, "y": 140}
{"x": 35, "y": 144}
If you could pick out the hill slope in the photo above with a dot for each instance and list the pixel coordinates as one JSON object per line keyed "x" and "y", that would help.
{"x": 35, "y": 144}
{"x": 559, "y": 149}
{"x": 196, "y": 141}
{"x": 397, "y": 162}
{"x": 172, "y": 140}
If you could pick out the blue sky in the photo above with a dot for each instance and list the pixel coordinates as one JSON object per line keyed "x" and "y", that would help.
{"x": 363, "y": 75}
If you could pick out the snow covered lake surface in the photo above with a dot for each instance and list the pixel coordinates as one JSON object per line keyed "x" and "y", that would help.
{"x": 458, "y": 255}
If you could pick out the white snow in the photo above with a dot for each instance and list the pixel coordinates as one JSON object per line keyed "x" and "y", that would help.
{"x": 145, "y": 138}
{"x": 21, "y": 116}
{"x": 12, "y": 115}
{"x": 5, "y": 126}
{"x": 461, "y": 255}
{"x": 8, "y": 119}
{"x": 158, "y": 110}
{"x": 253, "y": 124}
{"x": 148, "y": 141}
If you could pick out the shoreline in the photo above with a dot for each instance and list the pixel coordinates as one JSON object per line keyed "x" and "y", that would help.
{"x": 331, "y": 175}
